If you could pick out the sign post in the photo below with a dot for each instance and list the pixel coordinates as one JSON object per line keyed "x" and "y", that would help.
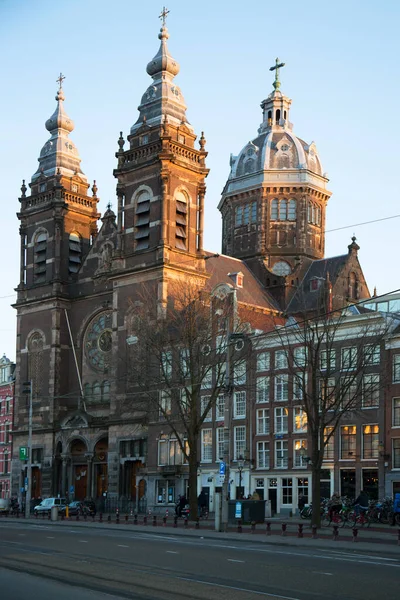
{"x": 23, "y": 453}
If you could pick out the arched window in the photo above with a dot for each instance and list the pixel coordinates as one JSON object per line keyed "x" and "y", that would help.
{"x": 181, "y": 210}
{"x": 106, "y": 391}
{"x": 96, "y": 392}
{"x": 35, "y": 362}
{"x": 278, "y": 115}
{"x": 283, "y": 210}
{"x": 292, "y": 210}
{"x": 270, "y": 115}
{"x": 87, "y": 392}
{"x": 274, "y": 209}
{"x": 75, "y": 252}
{"x": 142, "y": 221}
{"x": 249, "y": 166}
{"x": 40, "y": 256}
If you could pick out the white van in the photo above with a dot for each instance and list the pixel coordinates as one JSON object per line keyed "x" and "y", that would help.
{"x": 46, "y": 505}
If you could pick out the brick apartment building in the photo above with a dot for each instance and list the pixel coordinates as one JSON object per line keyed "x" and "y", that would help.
{"x": 6, "y": 424}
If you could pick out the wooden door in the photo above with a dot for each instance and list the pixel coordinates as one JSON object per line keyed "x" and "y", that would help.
{"x": 80, "y": 482}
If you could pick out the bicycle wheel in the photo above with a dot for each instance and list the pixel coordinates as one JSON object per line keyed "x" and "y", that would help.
{"x": 351, "y": 520}
{"x": 326, "y": 520}
{"x": 337, "y": 519}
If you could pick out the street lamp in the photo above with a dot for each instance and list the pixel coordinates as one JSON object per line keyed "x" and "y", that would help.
{"x": 240, "y": 466}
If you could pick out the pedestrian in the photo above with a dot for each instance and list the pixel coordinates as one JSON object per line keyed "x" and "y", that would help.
{"x": 255, "y": 496}
{"x": 201, "y": 503}
{"x": 334, "y": 504}
{"x": 302, "y": 501}
{"x": 361, "y": 503}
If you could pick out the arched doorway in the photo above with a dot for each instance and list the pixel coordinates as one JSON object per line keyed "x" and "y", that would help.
{"x": 79, "y": 469}
{"x": 100, "y": 468}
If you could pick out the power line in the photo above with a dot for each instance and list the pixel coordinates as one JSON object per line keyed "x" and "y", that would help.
{"x": 360, "y": 224}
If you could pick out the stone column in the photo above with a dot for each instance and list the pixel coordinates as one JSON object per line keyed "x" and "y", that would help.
{"x": 202, "y": 192}
{"x": 64, "y": 482}
{"x": 120, "y": 196}
{"x": 22, "y": 233}
{"x": 89, "y": 458}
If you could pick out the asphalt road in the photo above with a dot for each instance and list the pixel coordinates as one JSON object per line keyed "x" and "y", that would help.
{"x": 54, "y": 562}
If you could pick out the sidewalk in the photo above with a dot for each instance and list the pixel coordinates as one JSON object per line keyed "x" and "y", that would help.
{"x": 367, "y": 540}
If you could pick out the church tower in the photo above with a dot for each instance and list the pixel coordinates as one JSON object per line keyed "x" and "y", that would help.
{"x": 161, "y": 176}
{"x": 273, "y": 204}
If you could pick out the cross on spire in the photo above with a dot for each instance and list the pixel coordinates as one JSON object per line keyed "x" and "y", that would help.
{"x": 163, "y": 15}
{"x": 60, "y": 80}
{"x": 278, "y": 65}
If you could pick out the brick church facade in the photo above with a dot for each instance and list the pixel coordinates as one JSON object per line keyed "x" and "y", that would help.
{"x": 79, "y": 282}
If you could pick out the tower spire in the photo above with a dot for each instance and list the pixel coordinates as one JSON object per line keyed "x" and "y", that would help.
{"x": 278, "y": 65}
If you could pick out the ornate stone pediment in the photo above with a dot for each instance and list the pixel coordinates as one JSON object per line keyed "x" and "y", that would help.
{"x": 77, "y": 420}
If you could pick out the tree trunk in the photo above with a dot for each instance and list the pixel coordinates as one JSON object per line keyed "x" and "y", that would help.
{"x": 316, "y": 496}
{"x": 193, "y": 484}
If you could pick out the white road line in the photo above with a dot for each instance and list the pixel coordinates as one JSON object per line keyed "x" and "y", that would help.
{"x": 50, "y": 537}
{"x": 83, "y": 541}
{"x": 122, "y": 546}
{"x": 22, "y": 534}
{"x": 238, "y": 589}
{"x": 234, "y": 560}
{"x": 171, "y": 552}
{"x": 322, "y": 573}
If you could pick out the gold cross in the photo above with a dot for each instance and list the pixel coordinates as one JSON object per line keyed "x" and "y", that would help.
{"x": 278, "y": 65}
{"x": 60, "y": 80}
{"x": 163, "y": 15}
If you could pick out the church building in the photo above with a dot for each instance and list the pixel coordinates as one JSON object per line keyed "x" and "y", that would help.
{"x": 82, "y": 272}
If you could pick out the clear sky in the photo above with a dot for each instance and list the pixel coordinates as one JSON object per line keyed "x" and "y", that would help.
{"x": 342, "y": 72}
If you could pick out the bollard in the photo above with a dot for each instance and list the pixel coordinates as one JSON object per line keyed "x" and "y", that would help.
{"x": 101, "y": 517}
{"x": 117, "y": 518}
{"x": 164, "y": 521}
{"x": 197, "y": 526}
{"x": 253, "y": 527}
{"x": 355, "y": 534}
{"x": 314, "y": 532}
{"x": 109, "y": 519}
{"x": 135, "y": 519}
{"x": 185, "y": 522}
{"x": 66, "y": 512}
{"x": 239, "y": 526}
{"x": 175, "y": 521}
{"x": 335, "y": 532}
{"x": 284, "y": 527}
{"x": 154, "y": 521}
{"x": 145, "y": 520}
{"x": 126, "y": 519}
{"x": 300, "y": 530}
{"x": 268, "y": 531}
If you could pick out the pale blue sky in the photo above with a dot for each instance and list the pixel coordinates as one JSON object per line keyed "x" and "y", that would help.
{"x": 341, "y": 71}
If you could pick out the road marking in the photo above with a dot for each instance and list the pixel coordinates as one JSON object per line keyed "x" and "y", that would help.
{"x": 322, "y": 573}
{"x": 238, "y": 589}
{"x": 21, "y": 534}
{"x": 171, "y": 552}
{"x": 50, "y": 537}
{"x": 83, "y": 541}
{"x": 234, "y": 560}
{"x": 122, "y": 546}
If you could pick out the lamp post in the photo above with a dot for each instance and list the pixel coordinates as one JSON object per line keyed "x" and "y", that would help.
{"x": 27, "y": 389}
{"x": 240, "y": 466}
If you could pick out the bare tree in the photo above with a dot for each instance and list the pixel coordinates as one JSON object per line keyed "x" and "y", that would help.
{"x": 333, "y": 360}
{"x": 177, "y": 363}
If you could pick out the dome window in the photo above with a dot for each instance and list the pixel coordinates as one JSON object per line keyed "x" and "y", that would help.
{"x": 180, "y": 220}
{"x": 278, "y": 115}
{"x": 75, "y": 252}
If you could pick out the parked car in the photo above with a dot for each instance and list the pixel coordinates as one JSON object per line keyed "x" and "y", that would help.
{"x": 78, "y": 507}
{"x": 5, "y": 505}
{"x": 47, "y": 504}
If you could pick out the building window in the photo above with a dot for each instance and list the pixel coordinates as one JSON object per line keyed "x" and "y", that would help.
{"x": 239, "y": 405}
{"x": 105, "y": 392}
{"x": 300, "y": 453}
{"x": 220, "y": 408}
{"x": 254, "y": 212}
{"x": 262, "y": 421}
{"x": 396, "y": 368}
{"x": 370, "y": 441}
{"x": 348, "y": 393}
{"x": 239, "y": 373}
{"x": 299, "y": 420}
{"x": 206, "y": 445}
{"x": 292, "y": 210}
{"x": 281, "y": 420}
{"x": 6, "y": 463}
{"x": 348, "y": 442}
{"x": 240, "y": 441}
{"x": 40, "y": 256}
{"x": 396, "y": 453}
{"x": 204, "y": 404}
{"x": 165, "y": 405}
{"x": 370, "y": 391}
{"x": 281, "y": 361}
{"x": 7, "y": 429}
{"x": 75, "y": 252}
{"x": 349, "y": 358}
{"x": 262, "y": 455}
{"x": 246, "y": 214}
{"x": 300, "y": 357}
{"x": 299, "y": 385}
{"x": 274, "y": 209}
{"x": 181, "y": 205}
{"x": 142, "y": 221}
{"x": 263, "y": 361}
{"x": 281, "y": 388}
{"x": 221, "y": 448}
{"x": 328, "y": 360}
{"x": 329, "y": 444}
{"x": 238, "y": 216}
{"x": 302, "y": 487}
{"x": 372, "y": 355}
{"x": 144, "y": 139}
{"x": 281, "y": 454}
{"x": 396, "y": 412}
{"x": 163, "y": 450}
{"x": 165, "y": 491}
{"x": 283, "y": 210}
{"x": 262, "y": 389}
{"x": 327, "y": 393}
{"x": 287, "y": 491}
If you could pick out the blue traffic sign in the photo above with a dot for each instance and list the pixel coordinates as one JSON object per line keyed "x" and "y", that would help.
{"x": 222, "y": 468}
{"x": 72, "y": 489}
{"x": 238, "y": 510}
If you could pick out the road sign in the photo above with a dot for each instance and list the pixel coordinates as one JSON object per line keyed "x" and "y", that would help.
{"x": 221, "y": 479}
{"x": 238, "y": 510}
{"x": 23, "y": 453}
{"x": 222, "y": 468}
{"x": 72, "y": 489}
